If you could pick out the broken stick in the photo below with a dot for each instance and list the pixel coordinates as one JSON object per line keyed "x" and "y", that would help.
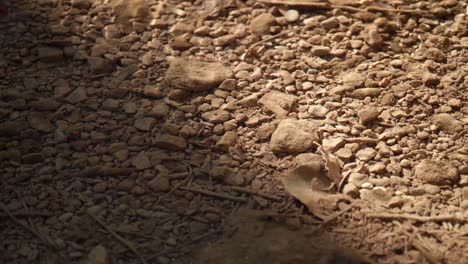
{"x": 215, "y": 195}
{"x": 436, "y": 218}
{"x": 119, "y": 238}
{"x": 264, "y": 195}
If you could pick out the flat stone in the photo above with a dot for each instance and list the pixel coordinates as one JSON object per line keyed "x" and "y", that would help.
{"x": 261, "y": 24}
{"x": 447, "y": 123}
{"x": 368, "y": 115}
{"x": 45, "y": 104}
{"x": 365, "y": 92}
{"x": 216, "y": 116}
{"x": 100, "y": 65}
{"x": 195, "y": 75}
{"x": 141, "y": 161}
{"x": 32, "y": 158}
{"x": 277, "y": 103}
{"x": 98, "y": 255}
{"x": 170, "y": 142}
{"x": 318, "y": 111}
{"x": 438, "y": 172}
{"x": 160, "y": 184}
{"x": 50, "y": 54}
{"x": 366, "y": 154}
{"x": 374, "y": 39}
{"x": 229, "y": 139}
{"x": 333, "y": 144}
{"x": 429, "y": 78}
{"x": 145, "y": 123}
{"x": 77, "y": 96}
{"x": 160, "y": 110}
{"x": 249, "y": 101}
{"x": 330, "y": 23}
{"x": 353, "y": 78}
{"x": 152, "y": 91}
{"x": 294, "y": 136}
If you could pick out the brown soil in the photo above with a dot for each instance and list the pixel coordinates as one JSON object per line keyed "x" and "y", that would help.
{"x": 230, "y": 131}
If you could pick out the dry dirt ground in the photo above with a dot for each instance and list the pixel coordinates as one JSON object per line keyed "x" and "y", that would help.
{"x": 230, "y": 131}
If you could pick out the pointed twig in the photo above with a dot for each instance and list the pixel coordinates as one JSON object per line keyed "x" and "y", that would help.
{"x": 119, "y": 238}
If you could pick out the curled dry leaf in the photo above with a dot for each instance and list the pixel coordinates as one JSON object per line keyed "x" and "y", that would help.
{"x": 213, "y": 7}
{"x": 301, "y": 182}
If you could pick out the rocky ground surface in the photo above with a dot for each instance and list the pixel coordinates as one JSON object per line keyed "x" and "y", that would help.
{"x": 139, "y": 132}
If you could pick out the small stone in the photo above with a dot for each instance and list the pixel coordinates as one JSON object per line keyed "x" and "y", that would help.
{"x": 216, "y": 116}
{"x": 353, "y": 78}
{"x": 98, "y": 255}
{"x": 81, "y": 4}
{"x": 294, "y": 136}
{"x": 100, "y": 65}
{"x": 49, "y": 54}
{"x": 77, "y": 96}
{"x": 351, "y": 190}
{"x": 395, "y": 202}
{"x": 229, "y": 139}
{"x": 291, "y": 15}
{"x": 447, "y": 123}
{"x": 152, "y": 91}
{"x": 344, "y": 154}
{"x": 46, "y": 104}
{"x": 431, "y": 189}
{"x": 365, "y": 92}
{"x": 261, "y": 24}
{"x": 228, "y": 85}
{"x": 145, "y": 123}
{"x": 170, "y": 142}
{"x": 429, "y": 78}
{"x": 249, "y": 101}
{"x": 374, "y": 39}
{"x": 368, "y": 115}
{"x": 160, "y": 110}
{"x": 330, "y": 23}
{"x": 111, "y": 105}
{"x": 278, "y": 103}
{"x": 224, "y": 40}
{"x": 366, "y": 154}
{"x": 100, "y": 187}
{"x": 333, "y": 144}
{"x": 438, "y": 172}
{"x": 377, "y": 168}
{"x": 62, "y": 89}
{"x": 194, "y": 75}
{"x": 141, "y": 161}
{"x": 32, "y": 158}
{"x": 317, "y": 111}
{"x": 320, "y": 51}
{"x": 160, "y": 184}
{"x": 126, "y": 185}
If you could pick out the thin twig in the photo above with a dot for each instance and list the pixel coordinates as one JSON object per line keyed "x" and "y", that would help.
{"x": 196, "y": 239}
{"x": 215, "y": 194}
{"x": 264, "y": 195}
{"x": 333, "y": 217}
{"x": 121, "y": 239}
{"x": 436, "y": 218}
{"x": 418, "y": 243}
{"x": 25, "y": 226}
{"x": 26, "y": 214}
{"x": 250, "y": 49}
{"x": 326, "y": 6}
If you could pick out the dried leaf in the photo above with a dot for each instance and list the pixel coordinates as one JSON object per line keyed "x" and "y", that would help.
{"x": 332, "y": 165}
{"x": 301, "y": 182}
{"x": 213, "y": 7}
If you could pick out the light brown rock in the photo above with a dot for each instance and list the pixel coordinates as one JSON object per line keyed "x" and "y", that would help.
{"x": 294, "y": 136}
{"x": 447, "y": 123}
{"x": 195, "y": 75}
{"x": 277, "y": 103}
{"x": 261, "y": 24}
{"x": 438, "y": 172}
{"x": 170, "y": 142}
